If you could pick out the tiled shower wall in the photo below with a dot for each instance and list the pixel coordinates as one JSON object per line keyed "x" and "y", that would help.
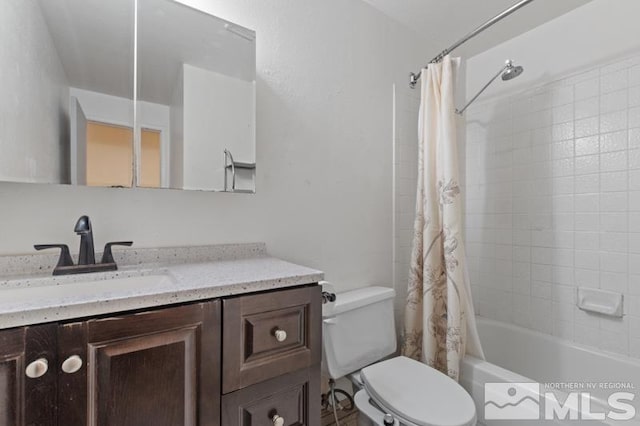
{"x": 553, "y": 202}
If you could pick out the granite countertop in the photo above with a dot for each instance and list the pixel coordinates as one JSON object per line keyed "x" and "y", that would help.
{"x": 147, "y": 278}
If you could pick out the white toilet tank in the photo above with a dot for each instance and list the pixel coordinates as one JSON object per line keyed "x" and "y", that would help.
{"x": 358, "y": 330}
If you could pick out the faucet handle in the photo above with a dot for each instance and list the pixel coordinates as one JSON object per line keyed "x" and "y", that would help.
{"x": 107, "y": 255}
{"x": 65, "y": 257}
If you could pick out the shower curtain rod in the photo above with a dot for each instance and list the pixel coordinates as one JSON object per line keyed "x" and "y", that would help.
{"x": 414, "y": 77}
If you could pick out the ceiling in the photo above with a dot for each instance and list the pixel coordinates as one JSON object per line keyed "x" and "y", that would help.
{"x": 94, "y": 40}
{"x": 443, "y": 22}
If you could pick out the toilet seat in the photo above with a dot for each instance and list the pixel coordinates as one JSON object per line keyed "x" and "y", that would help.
{"x": 418, "y": 394}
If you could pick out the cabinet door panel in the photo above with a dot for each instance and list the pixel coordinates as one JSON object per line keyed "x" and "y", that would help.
{"x": 295, "y": 397}
{"x": 24, "y": 400}
{"x": 158, "y": 368}
{"x": 123, "y": 371}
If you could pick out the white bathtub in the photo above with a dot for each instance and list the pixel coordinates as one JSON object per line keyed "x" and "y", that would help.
{"x": 515, "y": 354}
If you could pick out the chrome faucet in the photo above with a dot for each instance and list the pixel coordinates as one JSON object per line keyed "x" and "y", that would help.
{"x": 87, "y": 254}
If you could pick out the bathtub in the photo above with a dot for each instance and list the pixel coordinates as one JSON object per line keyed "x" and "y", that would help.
{"x": 518, "y": 355}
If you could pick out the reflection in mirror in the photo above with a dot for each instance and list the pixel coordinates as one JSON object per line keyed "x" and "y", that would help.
{"x": 67, "y": 69}
{"x": 109, "y": 155}
{"x": 196, "y": 99}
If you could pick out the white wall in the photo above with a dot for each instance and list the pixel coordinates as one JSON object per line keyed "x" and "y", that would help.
{"x": 601, "y": 30}
{"x": 219, "y": 114}
{"x": 325, "y": 72}
{"x": 33, "y": 126}
{"x": 553, "y": 177}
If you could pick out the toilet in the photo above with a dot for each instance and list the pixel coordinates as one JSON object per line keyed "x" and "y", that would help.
{"x": 358, "y": 336}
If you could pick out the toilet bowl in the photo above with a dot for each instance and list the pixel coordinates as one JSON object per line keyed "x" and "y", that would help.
{"x": 358, "y": 333}
{"x": 414, "y": 394}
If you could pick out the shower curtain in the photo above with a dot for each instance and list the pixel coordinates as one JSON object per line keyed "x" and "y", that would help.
{"x": 439, "y": 319}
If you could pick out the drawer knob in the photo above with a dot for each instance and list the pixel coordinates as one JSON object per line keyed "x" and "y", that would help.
{"x": 280, "y": 335}
{"x": 72, "y": 364}
{"x": 277, "y": 420}
{"x": 37, "y": 368}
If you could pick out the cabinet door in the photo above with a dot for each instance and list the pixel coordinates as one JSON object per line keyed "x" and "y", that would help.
{"x": 159, "y": 368}
{"x": 289, "y": 400}
{"x": 28, "y": 376}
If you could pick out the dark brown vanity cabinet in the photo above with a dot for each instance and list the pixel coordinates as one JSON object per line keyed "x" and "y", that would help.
{"x": 170, "y": 366}
{"x": 24, "y": 352}
{"x": 271, "y": 356}
{"x": 156, "y": 368}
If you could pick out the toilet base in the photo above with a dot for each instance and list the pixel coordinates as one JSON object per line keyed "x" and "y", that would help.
{"x": 369, "y": 414}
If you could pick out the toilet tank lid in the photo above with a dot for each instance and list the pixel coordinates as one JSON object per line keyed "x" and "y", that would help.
{"x": 354, "y": 299}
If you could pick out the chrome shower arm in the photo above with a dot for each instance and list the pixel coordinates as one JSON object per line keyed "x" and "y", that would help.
{"x": 503, "y": 69}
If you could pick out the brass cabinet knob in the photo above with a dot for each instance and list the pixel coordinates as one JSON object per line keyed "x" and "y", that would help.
{"x": 37, "y": 368}
{"x": 280, "y": 335}
{"x": 277, "y": 420}
{"x": 72, "y": 364}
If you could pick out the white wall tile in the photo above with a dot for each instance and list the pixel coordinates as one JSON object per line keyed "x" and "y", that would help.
{"x": 634, "y": 96}
{"x": 613, "y": 222}
{"x": 615, "y": 141}
{"x": 587, "y": 164}
{"x": 614, "y": 81}
{"x": 614, "y": 241}
{"x": 634, "y": 117}
{"x": 587, "y": 259}
{"x": 614, "y": 281}
{"x": 587, "y": 89}
{"x": 613, "y": 262}
{"x": 634, "y": 75}
{"x": 614, "y": 101}
{"x": 562, "y": 131}
{"x": 559, "y": 168}
{"x": 587, "y": 278}
{"x": 587, "y": 127}
{"x": 588, "y": 240}
{"x": 613, "y": 121}
{"x": 587, "y": 184}
{"x": 634, "y": 137}
{"x": 613, "y": 161}
{"x": 614, "y": 181}
{"x": 613, "y": 202}
{"x": 587, "y": 145}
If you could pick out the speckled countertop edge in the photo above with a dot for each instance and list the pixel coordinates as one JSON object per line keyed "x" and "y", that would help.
{"x": 185, "y": 279}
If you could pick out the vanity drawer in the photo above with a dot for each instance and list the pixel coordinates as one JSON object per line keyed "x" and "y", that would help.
{"x": 267, "y": 335}
{"x": 290, "y": 400}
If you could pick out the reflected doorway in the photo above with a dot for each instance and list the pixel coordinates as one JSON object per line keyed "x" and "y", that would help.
{"x": 109, "y": 155}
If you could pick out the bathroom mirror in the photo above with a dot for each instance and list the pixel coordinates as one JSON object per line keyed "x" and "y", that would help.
{"x": 196, "y": 99}
{"x": 71, "y": 114}
{"x": 67, "y": 92}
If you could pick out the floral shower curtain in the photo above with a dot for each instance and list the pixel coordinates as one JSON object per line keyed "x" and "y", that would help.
{"x": 439, "y": 319}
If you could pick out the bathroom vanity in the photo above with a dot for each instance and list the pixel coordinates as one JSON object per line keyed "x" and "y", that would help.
{"x": 221, "y": 335}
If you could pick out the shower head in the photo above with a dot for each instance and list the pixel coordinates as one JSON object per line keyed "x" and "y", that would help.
{"x": 511, "y": 71}
{"x": 508, "y": 72}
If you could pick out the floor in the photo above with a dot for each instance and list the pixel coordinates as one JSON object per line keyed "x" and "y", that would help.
{"x": 346, "y": 418}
